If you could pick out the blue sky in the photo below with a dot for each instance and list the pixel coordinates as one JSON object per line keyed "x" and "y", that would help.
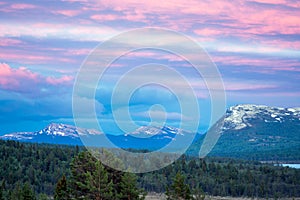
{"x": 254, "y": 43}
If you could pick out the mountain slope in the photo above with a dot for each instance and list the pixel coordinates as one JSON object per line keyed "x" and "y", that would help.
{"x": 257, "y": 132}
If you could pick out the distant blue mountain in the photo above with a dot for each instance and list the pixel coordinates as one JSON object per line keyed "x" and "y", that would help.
{"x": 145, "y": 137}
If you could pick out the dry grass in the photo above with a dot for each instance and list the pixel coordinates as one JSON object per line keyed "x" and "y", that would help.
{"x": 156, "y": 196}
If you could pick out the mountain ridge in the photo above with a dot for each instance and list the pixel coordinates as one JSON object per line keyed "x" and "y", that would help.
{"x": 58, "y": 133}
{"x": 245, "y": 131}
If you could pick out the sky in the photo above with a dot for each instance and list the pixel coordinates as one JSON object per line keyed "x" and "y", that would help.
{"x": 254, "y": 43}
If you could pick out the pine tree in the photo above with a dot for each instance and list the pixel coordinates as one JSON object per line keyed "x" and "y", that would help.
{"x": 27, "y": 193}
{"x": 79, "y": 166}
{"x": 43, "y": 197}
{"x": 97, "y": 181}
{"x": 2, "y": 190}
{"x": 129, "y": 189}
{"x": 61, "y": 190}
{"x": 90, "y": 178}
{"x": 178, "y": 190}
{"x": 16, "y": 193}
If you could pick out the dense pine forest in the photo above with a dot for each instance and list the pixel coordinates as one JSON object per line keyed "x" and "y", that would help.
{"x": 43, "y": 171}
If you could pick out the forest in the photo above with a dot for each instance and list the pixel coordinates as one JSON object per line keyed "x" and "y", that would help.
{"x": 44, "y": 171}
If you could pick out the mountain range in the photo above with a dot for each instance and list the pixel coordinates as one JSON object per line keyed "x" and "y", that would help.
{"x": 245, "y": 131}
{"x": 145, "y": 137}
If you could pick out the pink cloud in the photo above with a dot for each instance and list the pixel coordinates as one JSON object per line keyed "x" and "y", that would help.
{"x": 283, "y": 43}
{"x": 228, "y": 18}
{"x": 234, "y": 85}
{"x": 28, "y": 57}
{"x": 9, "y": 42}
{"x": 262, "y": 65}
{"x": 129, "y": 16}
{"x": 237, "y": 18}
{"x": 76, "y": 52}
{"x": 238, "y": 86}
{"x": 135, "y": 15}
{"x": 23, "y": 80}
{"x": 22, "y": 6}
{"x": 294, "y": 4}
{"x": 153, "y": 54}
{"x": 103, "y": 17}
{"x": 72, "y": 1}
{"x": 209, "y": 32}
{"x": 12, "y": 78}
{"x": 69, "y": 13}
{"x": 6, "y": 8}
{"x": 58, "y": 81}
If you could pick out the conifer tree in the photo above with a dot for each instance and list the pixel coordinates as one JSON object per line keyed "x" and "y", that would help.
{"x": 16, "y": 193}
{"x": 97, "y": 181}
{"x": 129, "y": 189}
{"x": 90, "y": 178}
{"x": 2, "y": 190}
{"x": 178, "y": 190}
{"x": 27, "y": 193}
{"x": 61, "y": 190}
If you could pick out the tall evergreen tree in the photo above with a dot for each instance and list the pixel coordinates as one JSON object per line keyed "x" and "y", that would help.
{"x": 90, "y": 178}
{"x": 100, "y": 187}
{"x": 2, "y": 190}
{"x": 17, "y": 193}
{"x": 61, "y": 190}
{"x": 129, "y": 189}
{"x": 43, "y": 196}
{"x": 178, "y": 190}
{"x": 27, "y": 193}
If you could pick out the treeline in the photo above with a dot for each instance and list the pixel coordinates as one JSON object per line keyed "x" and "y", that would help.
{"x": 72, "y": 173}
{"x": 227, "y": 177}
{"x": 45, "y": 171}
{"x": 39, "y": 165}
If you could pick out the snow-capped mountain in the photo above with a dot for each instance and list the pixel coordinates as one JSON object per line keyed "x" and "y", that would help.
{"x": 67, "y": 130}
{"x": 145, "y": 137}
{"x": 53, "y": 130}
{"x": 240, "y": 116}
{"x": 53, "y": 133}
{"x": 154, "y": 131}
{"x": 151, "y": 137}
{"x": 255, "y": 132}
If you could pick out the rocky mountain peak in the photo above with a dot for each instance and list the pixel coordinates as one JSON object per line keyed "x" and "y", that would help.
{"x": 239, "y": 116}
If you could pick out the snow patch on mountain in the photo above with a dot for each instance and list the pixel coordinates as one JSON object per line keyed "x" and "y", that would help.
{"x": 18, "y": 136}
{"x": 148, "y": 131}
{"x": 239, "y": 117}
{"x": 52, "y": 130}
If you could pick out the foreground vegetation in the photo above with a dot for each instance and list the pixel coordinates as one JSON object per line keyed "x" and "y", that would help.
{"x": 41, "y": 171}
